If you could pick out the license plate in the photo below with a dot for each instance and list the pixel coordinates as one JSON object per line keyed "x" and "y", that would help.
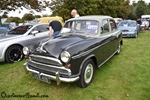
{"x": 41, "y": 78}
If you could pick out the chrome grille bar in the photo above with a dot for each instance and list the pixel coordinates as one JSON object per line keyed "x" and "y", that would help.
{"x": 45, "y": 59}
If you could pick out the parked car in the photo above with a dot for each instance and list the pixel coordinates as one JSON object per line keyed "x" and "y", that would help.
{"x": 145, "y": 24}
{"x": 129, "y": 28}
{"x": 3, "y": 31}
{"x": 117, "y": 20}
{"x": 12, "y": 43}
{"x": 145, "y": 21}
{"x": 84, "y": 44}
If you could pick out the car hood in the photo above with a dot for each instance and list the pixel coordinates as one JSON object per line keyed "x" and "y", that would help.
{"x": 126, "y": 28}
{"x": 8, "y": 37}
{"x": 73, "y": 44}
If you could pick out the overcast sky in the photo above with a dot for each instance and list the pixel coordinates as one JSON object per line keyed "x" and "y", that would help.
{"x": 147, "y": 1}
{"x": 47, "y": 12}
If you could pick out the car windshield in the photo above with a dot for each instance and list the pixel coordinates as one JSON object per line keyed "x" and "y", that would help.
{"x": 82, "y": 27}
{"x": 20, "y": 30}
{"x": 127, "y": 23}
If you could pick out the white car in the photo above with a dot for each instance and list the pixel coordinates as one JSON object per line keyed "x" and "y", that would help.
{"x": 145, "y": 24}
{"x": 117, "y": 20}
{"x": 12, "y": 43}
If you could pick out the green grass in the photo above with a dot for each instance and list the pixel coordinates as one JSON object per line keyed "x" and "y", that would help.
{"x": 123, "y": 77}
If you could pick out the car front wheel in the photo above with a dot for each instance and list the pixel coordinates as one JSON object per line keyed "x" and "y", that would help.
{"x": 87, "y": 74}
{"x": 14, "y": 54}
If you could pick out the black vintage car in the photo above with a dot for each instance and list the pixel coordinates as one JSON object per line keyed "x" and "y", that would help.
{"x": 84, "y": 44}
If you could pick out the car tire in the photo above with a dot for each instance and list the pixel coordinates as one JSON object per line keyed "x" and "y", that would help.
{"x": 87, "y": 74}
{"x": 14, "y": 54}
{"x": 119, "y": 49}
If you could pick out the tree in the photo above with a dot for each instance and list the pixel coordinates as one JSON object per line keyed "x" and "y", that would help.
{"x": 5, "y": 15}
{"x": 37, "y": 16}
{"x": 37, "y": 5}
{"x": 28, "y": 17}
{"x": 114, "y": 8}
{"x": 141, "y": 8}
{"x": 0, "y": 19}
{"x": 138, "y": 9}
{"x": 15, "y": 19}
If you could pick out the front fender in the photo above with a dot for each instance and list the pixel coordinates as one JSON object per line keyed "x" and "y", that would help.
{"x": 91, "y": 56}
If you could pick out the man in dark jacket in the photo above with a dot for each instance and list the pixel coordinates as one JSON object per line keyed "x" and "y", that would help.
{"x": 54, "y": 27}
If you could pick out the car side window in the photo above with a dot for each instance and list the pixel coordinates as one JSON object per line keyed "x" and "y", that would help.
{"x": 41, "y": 28}
{"x": 113, "y": 25}
{"x": 105, "y": 26}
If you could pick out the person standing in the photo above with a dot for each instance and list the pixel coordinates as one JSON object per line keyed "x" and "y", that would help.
{"x": 74, "y": 13}
{"x": 54, "y": 28}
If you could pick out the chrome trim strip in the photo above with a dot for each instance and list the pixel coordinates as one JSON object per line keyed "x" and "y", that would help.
{"x": 34, "y": 71}
{"x": 57, "y": 77}
{"x": 51, "y": 66}
{"x": 107, "y": 59}
{"x": 84, "y": 53}
{"x": 88, "y": 51}
{"x": 48, "y": 58}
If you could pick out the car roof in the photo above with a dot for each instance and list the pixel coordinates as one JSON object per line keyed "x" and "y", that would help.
{"x": 91, "y": 17}
{"x": 34, "y": 24}
{"x": 128, "y": 20}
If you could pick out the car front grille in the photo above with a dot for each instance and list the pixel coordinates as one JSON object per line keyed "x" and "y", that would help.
{"x": 47, "y": 65}
{"x": 125, "y": 30}
{"x": 45, "y": 60}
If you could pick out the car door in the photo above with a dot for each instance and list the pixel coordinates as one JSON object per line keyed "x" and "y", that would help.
{"x": 36, "y": 34}
{"x": 107, "y": 44}
{"x": 42, "y": 31}
{"x": 115, "y": 34}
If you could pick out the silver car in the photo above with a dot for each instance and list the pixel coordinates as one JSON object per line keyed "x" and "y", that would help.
{"x": 12, "y": 43}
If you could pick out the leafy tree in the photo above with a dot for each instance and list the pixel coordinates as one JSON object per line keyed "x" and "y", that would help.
{"x": 114, "y": 8}
{"x": 15, "y": 19}
{"x": 138, "y": 9}
{"x": 37, "y": 5}
{"x": 28, "y": 17}
{"x": 141, "y": 8}
{"x": 148, "y": 7}
{"x": 37, "y": 16}
{"x": 4, "y": 16}
{"x": 0, "y": 19}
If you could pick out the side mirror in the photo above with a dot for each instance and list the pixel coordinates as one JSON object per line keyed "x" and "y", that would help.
{"x": 34, "y": 32}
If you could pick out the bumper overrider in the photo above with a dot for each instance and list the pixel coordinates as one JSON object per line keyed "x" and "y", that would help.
{"x": 60, "y": 74}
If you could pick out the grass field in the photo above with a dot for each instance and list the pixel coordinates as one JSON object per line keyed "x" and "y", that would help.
{"x": 123, "y": 77}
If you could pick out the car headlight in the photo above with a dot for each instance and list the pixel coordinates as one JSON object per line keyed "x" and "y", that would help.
{"x": 26, "y": 51}
{"x": 65, "y": 56}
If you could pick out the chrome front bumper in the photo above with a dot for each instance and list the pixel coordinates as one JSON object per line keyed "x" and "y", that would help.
{"x": 57, "y": 77}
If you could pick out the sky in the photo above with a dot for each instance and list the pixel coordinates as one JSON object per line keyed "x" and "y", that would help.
{"x": 147, "y": 1}
{"x": 46, "y": 12}
{"x": 20, "y": 14}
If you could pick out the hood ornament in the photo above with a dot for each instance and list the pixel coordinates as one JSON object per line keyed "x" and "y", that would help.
{"x": 40, "y": 47}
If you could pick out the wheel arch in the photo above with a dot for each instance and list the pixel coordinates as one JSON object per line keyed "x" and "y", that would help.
{"x": 9, "y": 47}
{"x": 92, "y": 56}
{"x": 121, "y": 42}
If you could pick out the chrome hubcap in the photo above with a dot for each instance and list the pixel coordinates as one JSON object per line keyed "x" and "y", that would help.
{"x": 88, "y": 73}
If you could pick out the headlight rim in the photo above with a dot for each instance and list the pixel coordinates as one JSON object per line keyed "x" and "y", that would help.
{"x": 25, "y": 50}
{"x": 63, "y": 59}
